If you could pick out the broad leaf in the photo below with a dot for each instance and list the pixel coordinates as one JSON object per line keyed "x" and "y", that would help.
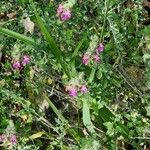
{"x": 86, "y": 115}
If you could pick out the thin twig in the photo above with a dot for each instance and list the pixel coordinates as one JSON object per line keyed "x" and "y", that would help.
{"x": 140, "y": 138}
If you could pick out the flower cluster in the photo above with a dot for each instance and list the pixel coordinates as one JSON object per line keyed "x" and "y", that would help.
{"x": 73, "y": 90}
{"x": 11, "y": 139}
{"x": 63, "y": 13}
{"x": 17, "y": 64}
{"x": 95, "y": 57}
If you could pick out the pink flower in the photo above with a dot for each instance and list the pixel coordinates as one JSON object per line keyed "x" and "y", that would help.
{"x": 65, "y": 15}
{"x": 60, "y": 9}
{"x": 72, "y": 91}
{"x": 100, "y": 48}
{"x": 2, "y": 138}
{"x": 85, "y": 59}
{"x": 96, "y": 58}
{"x": 26, "y": 60}
{"x": 16, "y": 65}
{"x": 13, "y": 139}
{"x": 84, "y": 89}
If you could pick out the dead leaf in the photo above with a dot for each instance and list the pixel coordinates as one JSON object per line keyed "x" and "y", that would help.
{"x": 11, "y": 15}
{"x": 28, "y": 25}
{"x": 2, "y": 15}
{"x": 24, "y": 117}
{"x": 49, "y": 81}
{"x": 43, "y": 105}
{"x": 36, "y": 135}
{"x": 135, "y": 73}
{"x": 146, "y": 3}
{"x": 147, "y": 41}
{"x": 32, "y": 73}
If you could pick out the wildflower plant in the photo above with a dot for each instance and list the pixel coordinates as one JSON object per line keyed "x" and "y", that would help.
{"x": 76, "y": 81}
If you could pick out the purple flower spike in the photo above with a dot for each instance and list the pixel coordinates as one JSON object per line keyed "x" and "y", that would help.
{"x": 85, "y": 59}
{"x": 84, "y": 89}
{"x": 100, "y": 48}
{"x": 65, "y": 15}
{"x": 73, "y": 92}
{"x": 2, "y": 138}
{"x": 13, "y": 140}
{"x": 16, "y": 65}
{"x": 60, "y": 9}
{"x": 96, "y": 58}
{"x": 26, "y": 60}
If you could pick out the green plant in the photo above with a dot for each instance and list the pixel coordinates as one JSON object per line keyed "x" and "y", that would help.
{"x": 83, "y": 85}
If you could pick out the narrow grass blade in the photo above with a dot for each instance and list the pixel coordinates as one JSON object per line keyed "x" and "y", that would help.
{"x": 80, "y": 43}
{"x": 75, "y": 53}
{"x": 56, "y": 111}
{"x": 53, "y": 47}
{"x": 72, "y": 132}
{"x": 18, "y": 36}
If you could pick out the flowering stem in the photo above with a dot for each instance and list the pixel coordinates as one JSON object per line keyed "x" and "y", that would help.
{"x": 92, "y": 74}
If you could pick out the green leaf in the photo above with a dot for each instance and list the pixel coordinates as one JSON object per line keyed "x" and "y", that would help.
{"x": 122, "y": 129}
{"x": 86, "y": 114}
{"x": 90, "y": 144}
{"x": 146, "y": 31}
{"x": 110, "y": 128}
{"x": 72, "y": 2}
{"x": 99, "y": 73}
{"x": 106, "y": 114}
{"x": 18, "y": 36}
{"x": 146, "y": 57}
{"x": 148, "y": 110}
{"x": 92, "y": 75}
